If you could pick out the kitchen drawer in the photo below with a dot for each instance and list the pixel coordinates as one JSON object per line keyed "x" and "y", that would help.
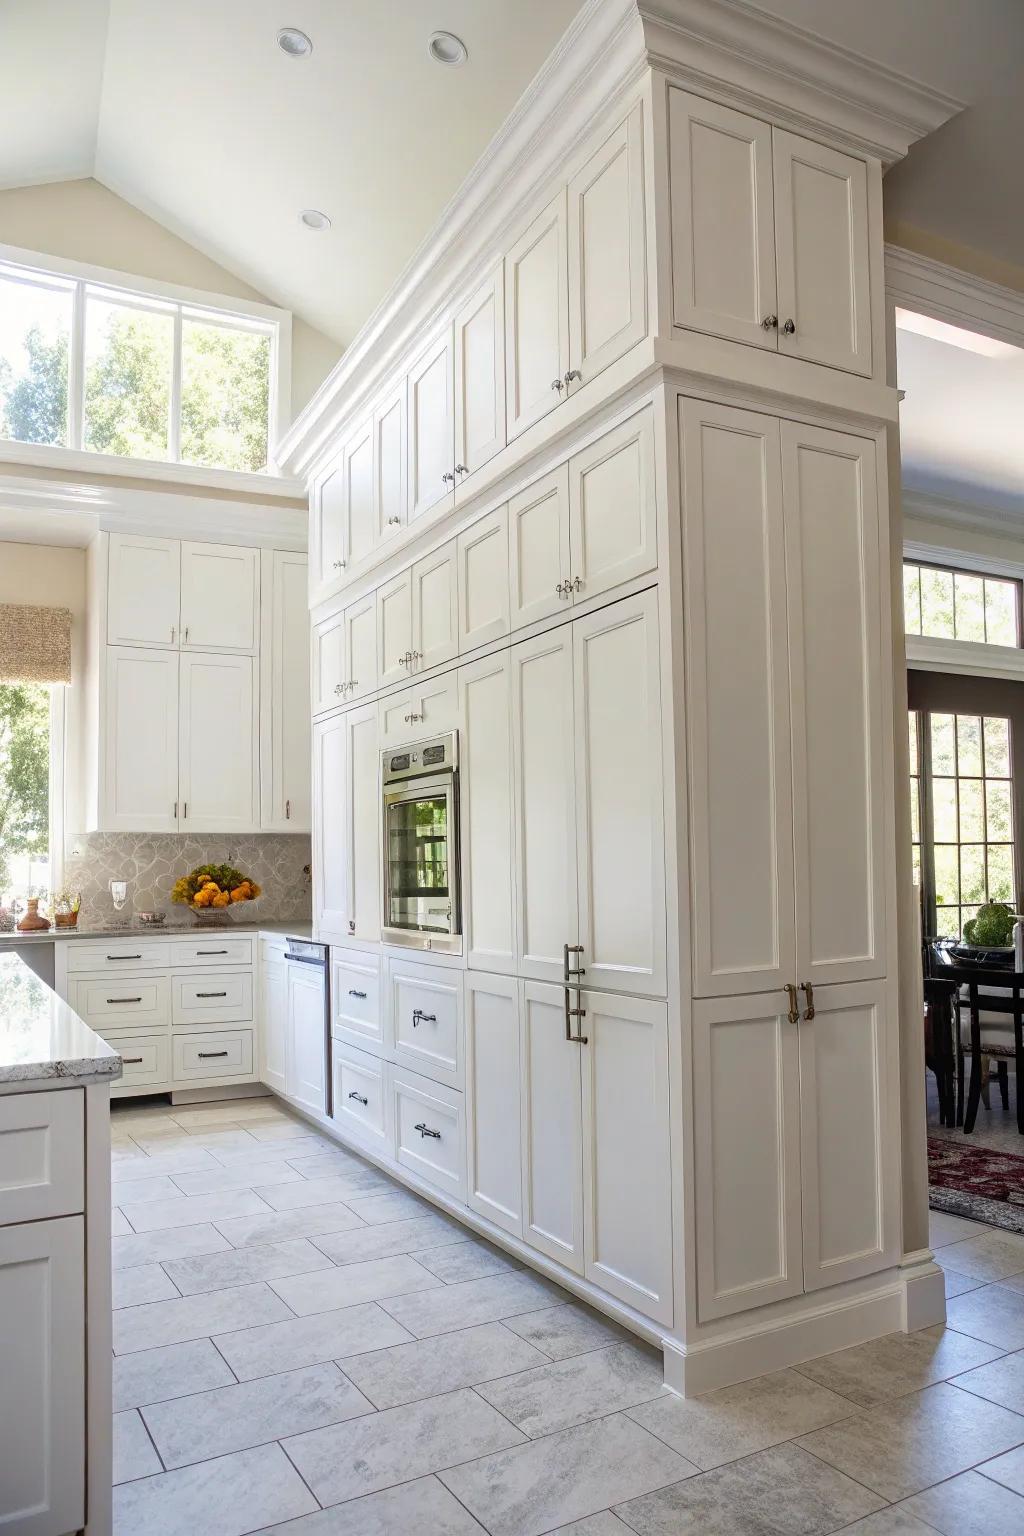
{"x": 122, "y": 1001}
{"x": 229, "y": 1053}
{"x": 360, "y": 1097}
{"x": 430, "y": 1131}
{"x": 426, "y": 1019}
{"x": 216, "y": 950}
{"x": 212, "y": 998}
{"x": 357, "y": 1014}
{"x": 110, "y": 955}
{"x": 147, "y": 1060}
{"x": 41, "y": 1155}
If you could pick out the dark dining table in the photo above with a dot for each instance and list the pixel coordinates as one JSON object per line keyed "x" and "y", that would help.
{"x": 985, "y": 977}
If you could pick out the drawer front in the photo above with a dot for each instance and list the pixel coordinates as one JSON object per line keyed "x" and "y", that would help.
{"x": 214, "y": 951}
{"x": 41, "y": 1155}
{"x": 430, "y": 1132}
{"x": 147, "y": 1060}
{"x": 121, "y": 1001}
{"x": 228, "y": 1053}
{"x": 212, "y": 998}
{"x": 360, "y": 1097}
{"x": 109, "y": 956}
{"x": 426, "y": 1016}
{"x": 357, "y": 1014}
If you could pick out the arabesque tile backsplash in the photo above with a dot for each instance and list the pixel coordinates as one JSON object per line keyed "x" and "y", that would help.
{"x": 152, "y": 863}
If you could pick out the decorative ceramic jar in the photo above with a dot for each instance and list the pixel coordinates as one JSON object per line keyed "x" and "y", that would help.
{"x": 32, "y": 922}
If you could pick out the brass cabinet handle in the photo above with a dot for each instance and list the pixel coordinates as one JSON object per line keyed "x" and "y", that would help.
{"x": 807, "y": 987}
{"x": 132, "y": 1061}
{"x": 794, "y": 1008}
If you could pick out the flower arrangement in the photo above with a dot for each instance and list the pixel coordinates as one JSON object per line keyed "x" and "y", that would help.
{"x": 213, "y": 886}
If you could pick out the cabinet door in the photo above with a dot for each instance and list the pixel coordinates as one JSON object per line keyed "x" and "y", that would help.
{"x": 220, "y": 597}
{"x": 723, "y": 253}
{"x": 307, "y": 1029}
{"x": 140, "y": 731}
{"x": 620, "y": 818}
{"x": 330, "y": 828}
{"x": 361, "y": 646}
{"x": 821, "y": 242}
{"x": 360, "y": 513}
{"x": 328, "y": 663}
{"x": 847, "y": 1071}
{"x": 143, "y": 590}
{"x": 493, "y": 1114}
{"x": 363, "y": 809}
{"x": 435, "y": 608}
{"x": 738, "y": 738}
{"x": 284, "y": 712}
{"x": 486, "y": 774}
{"x": 480, "y": 377}
{"x": 536, "y": 319}
{"x": 552, "y": 1128}
{"x": 538, "y": 548}
{"x": 545, "y": 802}
{"x": 389, "y": 464}
{"x": 327, "y": 528}
{"x": 607, "y": 274}
{"x": 431, "y": 429}
{"x": 394, "y": 628}
{"x": 42, "y": 1384}
{"x": 274, "y": 1025}
{"x": 613, "y": 515}
{"x": 433, "y": 707}
{"x": 746, "y": 1128}
{"x": 627, "y": 1186}
{"x": 483, "y": 581}
{"x": 840, "y": 703}
{"x": 218, "y": 737}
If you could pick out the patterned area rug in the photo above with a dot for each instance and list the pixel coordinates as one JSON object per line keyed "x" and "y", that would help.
{"x": 976, "y": 1182}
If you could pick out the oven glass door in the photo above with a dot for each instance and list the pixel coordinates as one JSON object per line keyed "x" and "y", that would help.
{"x": 419, "y": 839}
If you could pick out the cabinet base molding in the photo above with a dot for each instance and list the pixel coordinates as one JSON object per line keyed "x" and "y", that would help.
{"x": 218, "y": 1093}
{"x": 924, "y": 1291}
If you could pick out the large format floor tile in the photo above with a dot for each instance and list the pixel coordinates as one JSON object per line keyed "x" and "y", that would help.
{"x": 262, "y": 1351}
{"x": 969, "y": 1505}
{"x": 357, "y": 1183}
{"x": 245, "y": 1174}
{"x": 424, "y": 1506}
{"x": 134, "y": 1453}
{"x": 428, "y": 1367}
{"x": 995, "y": 1314}
{"x": 188, "y": 1210}
{"x": 1001, "y": 1381}
{"x": 229, "y": 1496}
{"x": 174, "y": 1243}
{"x": 195, "y": 1317}
{"x": 142, "y": 1188}
{"x": 992, "y": 1256}
{"x": 465, "y": 1261}
{"x": 550, "y": 1397}
{"x": 567, "y": 1330}
{"x": 395, "y": 1206}
{"x": 897, "y": 1364}
{"x": 241, "y": 1266}
{"x": 151, "y": 1375}
{"x": 279, "y": 1226}
{"x": 380, "y": 1242}
{"x": 1007, "y": 1470}
{"x": 147, "y": 1282}
{"x": 325, "y": 1290}
{"x": 474, "y": 1301}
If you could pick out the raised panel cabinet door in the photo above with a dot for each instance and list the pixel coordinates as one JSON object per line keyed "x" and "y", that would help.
{"x": 544, "y": 801}
{"x": 620, "y": 814}
{"x": 140, "y": 735}
{"x": 722, "y": 221}
{"x": 435, "y": 608}
{"x": 361, "y": 646}
{"x": 284, "y": 714}
{"x": 847, "y": 1071}
{"x": 483, "y": 581}
{"x": 552, "y": 1128}
{"x": 42, "y": 1383}
{"x": 737, "y": 673}
{"x": 220, "y": 597}
{"x": 329, "y": 663}
{"x": 607, "y": 252}
{"x": 613, "y": 510}
{"x": 360, "y": 512}
{"x": 364, "y": 829}
{"x": 493, "y": 1114}
{"x": 218, "y": 737}
{"x": 143, "y": 590}
{"x": 327, "y": 528}
{"x": 390, "y": 450}
{"x": 431, "y": 428}
{"x": 746, "y": 1130}
{"x": 307, "y": 1056}
{"x": 536, "y": 319}
{"x": 330, "y": 827}
{"x": 840, "y": 704}
{"x": 538, "y": 549}
{"x": 821, "y": 243}
{"x": 394, "y": 629}
{"x": 627, "y": 1182}
{"x": 486, "y": 785}
{"x": 273, "y": 1066}
{"x": 480, "y": 377}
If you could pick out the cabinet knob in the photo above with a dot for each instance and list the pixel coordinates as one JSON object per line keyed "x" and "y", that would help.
{"x": 770, "y": 323}
{"x": 393, "y": 521}
{"x": 573, "y": 373}
{"x": 448, "y": 475}
{"x": 790, "y": 328}
{"x": 462, "y": 469}
{"x": 338, "y": 565}
{"x": 339, "y": 688}
{"x": 558, "y": 384}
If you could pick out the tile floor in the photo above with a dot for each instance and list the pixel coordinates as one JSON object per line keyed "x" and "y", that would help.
{"x": 305, "y": 1349}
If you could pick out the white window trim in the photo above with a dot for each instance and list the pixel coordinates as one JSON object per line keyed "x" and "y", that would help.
{"x": 127, "y": 286}
{"x": 58, "y": 767}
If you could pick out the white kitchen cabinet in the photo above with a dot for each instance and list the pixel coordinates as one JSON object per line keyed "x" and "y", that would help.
{"x": 613, "y": 535}
{"x": 363, "y": 833}
{"x": 394, "y": 628}
{"x": 273, "y": 1005}
{"x": 330, "y": 827}
{"x": 552, "y": 1128}
{"x": 307, "y": 1039}
{"x": 220, "y": 597}
{"x": 218, "y": 741}
{"x": 139, "y": 720}
{"x": 538, "y": 548}
{"x": 360, "y": 642}
{"x": 435, "y": 608}
{"x": 360, "y": 518}
{"x": 284, "y": 707}
{"x": 429, "y": 708}
{"x": 357, "y": 1011}
{"x": 486, "y": 784}
{"x": 431, "y": 427}
{"x": 482, "y": 552}
{"x": 537, "y": 318}
{"x": 42, "y": 1397}
{"x": 143, "y": 590}
{"x": 493, "y": 1115}
{"x": 390, "y": 463}
{"x": 329, "y": 669}
{"x": 327, "y": 552}
{"x": 479, "y": 343}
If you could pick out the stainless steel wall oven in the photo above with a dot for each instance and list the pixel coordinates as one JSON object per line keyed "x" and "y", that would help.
{"x": 421, "y": 845}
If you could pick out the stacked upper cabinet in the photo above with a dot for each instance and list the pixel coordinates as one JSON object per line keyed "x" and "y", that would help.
{"x": 769, "y": 236}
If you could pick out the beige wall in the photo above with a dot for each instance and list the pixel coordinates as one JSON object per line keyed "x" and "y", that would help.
{"x": 84, "y": 221}
{"x": 978, "y": 263}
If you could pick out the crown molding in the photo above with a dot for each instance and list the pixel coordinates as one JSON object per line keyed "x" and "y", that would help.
{"x": 950, "y": 512}
{"x": 947, "y": 293}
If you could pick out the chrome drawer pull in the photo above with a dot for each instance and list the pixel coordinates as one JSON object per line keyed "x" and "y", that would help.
{"x": 209, "y": 1055}
{"x": 124, "y": 999}
{"x": 425, "y": 1130}
{"x": 359, "y": 1097}
{"x": 132, "y": 1061}
{"x": 419, "y": 1017}
{"x": 211, "y": 994}
{"x": 353, "y": 993}
{"x": 124, "y": 957}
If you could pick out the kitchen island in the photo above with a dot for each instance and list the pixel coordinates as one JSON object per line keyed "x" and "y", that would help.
{"x": 55, "y": 1301}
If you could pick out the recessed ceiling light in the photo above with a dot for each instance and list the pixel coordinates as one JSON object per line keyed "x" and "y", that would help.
{"x": 312, "y": 218}
{"x": 446, "y": 48}
{"x": 952, "y": 335}
{"x": 294, "y": 43}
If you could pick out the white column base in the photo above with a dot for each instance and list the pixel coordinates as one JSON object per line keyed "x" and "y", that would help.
{"x": 924, "y": 1291}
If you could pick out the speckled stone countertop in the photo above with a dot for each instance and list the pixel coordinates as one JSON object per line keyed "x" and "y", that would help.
{"x": 41, "y": 1037}
{"x": 297, "y": 930}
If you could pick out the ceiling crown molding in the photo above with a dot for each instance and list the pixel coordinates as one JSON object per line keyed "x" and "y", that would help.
{"x": 947, "y": 293}
{"x": 950, "y": 512}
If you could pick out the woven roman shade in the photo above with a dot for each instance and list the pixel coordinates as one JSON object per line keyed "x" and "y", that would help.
{"x": 35, "y": 644}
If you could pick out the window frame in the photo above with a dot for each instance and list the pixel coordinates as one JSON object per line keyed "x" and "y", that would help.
{"x": 56, "y": 783}
{"x": 979, "y": 574}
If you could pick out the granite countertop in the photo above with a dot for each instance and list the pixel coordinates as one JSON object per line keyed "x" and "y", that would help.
{"x": 41, "y": 1037}
{"x": 302, "y": 929}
